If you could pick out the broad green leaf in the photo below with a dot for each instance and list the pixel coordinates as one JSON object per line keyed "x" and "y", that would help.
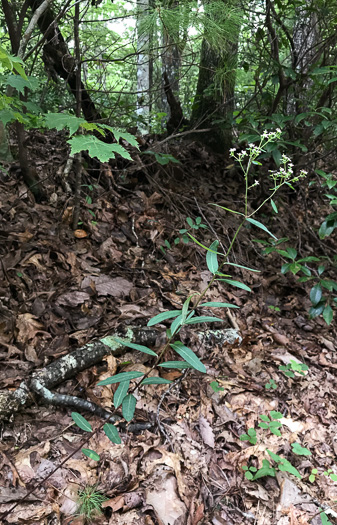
{"x": 19, "y": 83}
{"x": 91, "y": 454}
{"x": 316, "y": 294}
{"x": 219, "y": 305}
{"x": 273, "y": 456}
{"x": 119, "y": 378}
{"x": 328, "y": 314}
{"x": 121, "y": 393}
{"x": 63, "y": 120}
{"x": 216, "y": 387}
{"x": 140, "y": 348}
{"x": 181, "y": 365}
{"x": 276, "y": 415}
{"x": 6, "y": 116}
{"x": 81, "y": 422}
{"x": 261, "y": 226}
{"x": 324, "y": 518}
{"x": 212, "y": 258}
{"x": 128, "y": 407}
{"x": 131, "y": 139}
{"x": 286, "y": 466}
{"x": 203, "y": 319}
{"x": 112, "y": 433}
{"x": 265, "y": 470}
{"x": 238, "y": 284}
{"x": 163, "y": 316}
{"x": 300, "y": 451}
{"x": 189, "y": 356}
{"x": 292, "y": 253}
{"x": 273, "y": 205}
{"x": 155, "y": 381}
{"x": 96, "y": 148}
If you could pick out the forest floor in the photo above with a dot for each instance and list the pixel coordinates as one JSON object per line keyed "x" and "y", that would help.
{"x": 61, "y": 289}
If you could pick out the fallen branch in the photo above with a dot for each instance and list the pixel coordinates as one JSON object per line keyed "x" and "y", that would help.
{"x": 67, "y": 367}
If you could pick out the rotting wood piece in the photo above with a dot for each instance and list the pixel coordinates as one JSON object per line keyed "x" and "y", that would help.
{"x": 66, "y": 367}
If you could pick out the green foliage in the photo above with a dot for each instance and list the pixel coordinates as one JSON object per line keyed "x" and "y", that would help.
{"x": 185, "y": 232}
{"x": 90, "y": 503}
{"x": 271, "y": 385}
{"x": 293, "y": 367}
{"x": 268, "y": 424}
{"x": 250, "y": 436}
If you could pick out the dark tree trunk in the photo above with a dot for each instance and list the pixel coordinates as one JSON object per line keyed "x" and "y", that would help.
{"x": 214, "y": 99}
{"x": 59, "y": 61}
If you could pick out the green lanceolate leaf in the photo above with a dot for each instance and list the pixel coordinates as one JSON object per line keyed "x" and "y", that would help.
{"x": 156, "y": 381}
{"x": 176, "y": 324}
{"x": 227, "y": 209}
{"x": 119, "y": 378}
{"x": 273, "y": 205}
{"x": 203, "y": 319}
{"x": 121, "y": 393}
{"x": 163, "y": 317}
{"x": 180, "y": 365}
{"x": 243, "y": 267}
{"x": 140, "y": 348}
{"x": 81, "y": 422}
{"x": 219, "y": 305}
{"x": 300, "y": 451}
{"x": 128, "y": 407}
{"x": 112, "y": 433}
{"x": 91, "y": 454}
{"x": 189, "y": 356}
{"x": 238, "y": 284}
{"x": 185, "y": 309}
{"x": 212, "y": 257}
{"x": 261, "y": 226}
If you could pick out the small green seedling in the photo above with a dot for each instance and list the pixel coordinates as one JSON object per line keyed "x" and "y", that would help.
{"x": 330, "y": 474}
{"x": 313, "y": 475}
{"x": 274, "y": 308}
{"x": 90, "y": 503}
{"x": 250, "y": 436}
{"x": 271, "y": 385}
{"x": 268, "y": 424}
{"x": 193, "y": 225}
{"x": 252, "y": 473}
{"x": 292, "y": 367}
{"x": 216, "y": 387}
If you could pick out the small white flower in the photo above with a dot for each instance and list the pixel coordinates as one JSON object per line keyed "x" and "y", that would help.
{"x": 256, "y": 183}
{"x": 232, "y": 150}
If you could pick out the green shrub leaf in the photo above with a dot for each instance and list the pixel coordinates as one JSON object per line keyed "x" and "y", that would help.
{"x": 181, "y": 365}
{"x": 261, "y": 226}
{"x": 328, "y": 314}
{"x": 112, "y": 433}
{"x": 316, "y": 294}
{"x": 238, "y": 284}
{"x": 140, "y": 348}
{"x": 156, "y": 381}
{"x": 203, "y": 319}
{"x": 119, "y": 378}
{"x": 219, "y": 305}
{"x": 189, "y": 356}
{"x": 91, "y": 454}
{"x": 128, "y": 407}
{"x": 81, "y": 422}
{"x": 163, "y": 317}
{"x": 121, "y": 393}
{"x": 212, "y": 257}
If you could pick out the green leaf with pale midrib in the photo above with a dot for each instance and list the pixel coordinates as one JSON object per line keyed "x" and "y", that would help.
{"x": 119, "y": 378}
{"x": 189, "y": 356}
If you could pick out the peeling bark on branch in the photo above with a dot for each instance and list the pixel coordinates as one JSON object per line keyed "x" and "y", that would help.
{"x": 66, "y": 367}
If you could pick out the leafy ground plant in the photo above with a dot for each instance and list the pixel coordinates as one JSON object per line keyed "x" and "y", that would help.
{"x": 90, "y": 503}
{"x": 130, "y": 382}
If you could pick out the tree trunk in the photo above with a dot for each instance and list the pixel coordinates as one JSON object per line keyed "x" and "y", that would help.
{"x": 144, "y": 69}
{"x": 214, "y": 100}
